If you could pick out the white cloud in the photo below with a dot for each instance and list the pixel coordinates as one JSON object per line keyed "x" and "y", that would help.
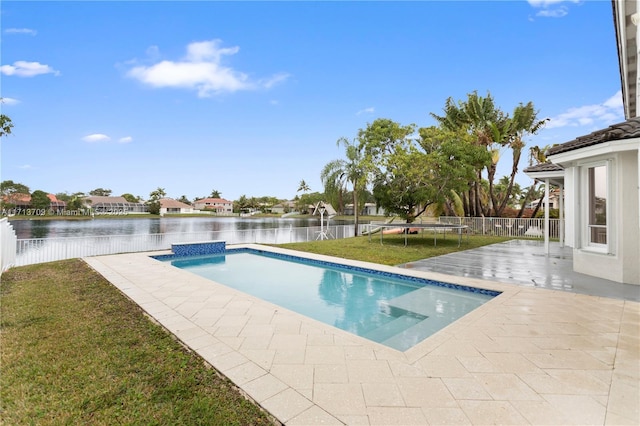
{"x": 551, "y": 8}
{"x": 25, "y": 167}
{"x": 27, "y": 69}
{"x": 96, "y": 137}
{"x": 272, "y": 81}
{"x": 554, "y": 13}
{"x": 609, "y": 112}
{"x": 369, "y": 110}
{"x": 10, "y": 101}
{"x": 28, "y": 31}
{"x": 126, "y": 139}
{"x": 547, "y": 3}
{"x": 201, "y": 70}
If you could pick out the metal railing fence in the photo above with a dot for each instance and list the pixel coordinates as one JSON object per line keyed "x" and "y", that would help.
{"x": 40, "y": 250}
{"x": 506, "y": 227}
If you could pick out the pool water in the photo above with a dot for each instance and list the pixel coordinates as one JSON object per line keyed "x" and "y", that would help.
{"x": 391, "y": 309}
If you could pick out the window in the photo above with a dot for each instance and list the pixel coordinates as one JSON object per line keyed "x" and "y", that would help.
{"x": 597, "y": 203}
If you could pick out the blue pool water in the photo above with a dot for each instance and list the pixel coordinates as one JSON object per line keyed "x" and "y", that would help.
{"x": 392, "y": 309}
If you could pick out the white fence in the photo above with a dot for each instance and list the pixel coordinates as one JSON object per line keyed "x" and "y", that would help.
{"x": 8, "y": 244}
{"x": 506, "y": 227}
{"x": 16, "y": 252}
{"x": 40, "y": 250}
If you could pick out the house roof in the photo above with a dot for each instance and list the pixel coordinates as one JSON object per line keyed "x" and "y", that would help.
{"x": 213, "y": 200}
{"x": 170, "y": 203}
{"x": 328, "y": 209}
{"x": 20, "y": 198}
{"x": 544, "y": 167}
{"x": 97, "y": 199}
{"x": 626, "y": 130}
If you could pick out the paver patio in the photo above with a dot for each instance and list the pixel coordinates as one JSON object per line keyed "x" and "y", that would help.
{"x": 529, "y": 356}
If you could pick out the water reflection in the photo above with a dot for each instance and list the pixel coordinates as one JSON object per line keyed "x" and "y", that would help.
{"x": 96, "y": 227}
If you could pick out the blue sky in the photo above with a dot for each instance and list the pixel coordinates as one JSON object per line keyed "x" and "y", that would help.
{"x": 249, "y": 98}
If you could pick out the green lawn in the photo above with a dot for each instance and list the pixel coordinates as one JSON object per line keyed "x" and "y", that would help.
{"x": 392, "y": 251}
{"x": 74, "y": 350}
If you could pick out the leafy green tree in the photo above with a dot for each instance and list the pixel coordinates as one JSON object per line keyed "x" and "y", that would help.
{"x": 241, "y": 203}
{"x": 215, "y": 194}
{"x": 5, "y": 124}
{"x": 130, "y": 198}
{"x": 184, "y": 199}
{"x": 40, "y": 200}
{"x": 387, "y": 148}
{"x": 77, "y": 201}
{"x": 73, "y": 201}
{"x": 10, "y": 189}
{"x": 416, "y": 174}
{"x": 304, "y": 202}
{"x": 153, "y": 203}
{"x": 100, "y": 192}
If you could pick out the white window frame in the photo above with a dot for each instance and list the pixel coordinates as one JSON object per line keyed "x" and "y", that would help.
{"x": 587, "y": 244}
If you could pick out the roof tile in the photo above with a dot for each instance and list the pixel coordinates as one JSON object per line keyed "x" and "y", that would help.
{"x": 625, "y": 130}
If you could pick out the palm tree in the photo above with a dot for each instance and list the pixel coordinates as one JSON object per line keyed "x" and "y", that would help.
{"x": 337, "y": 173}
{"x": 334, "y": 182}
{"x": 494, "y": 130}
{"x": 536, "y": 156}
{"x": 523, "y": 121}
{"x": 303, "y": 186}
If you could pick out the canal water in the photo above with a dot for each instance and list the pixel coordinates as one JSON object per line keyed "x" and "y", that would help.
{"x": 26, "y": 229}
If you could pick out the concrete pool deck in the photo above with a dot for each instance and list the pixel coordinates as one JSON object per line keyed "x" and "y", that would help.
{"x": 529, "y": 356}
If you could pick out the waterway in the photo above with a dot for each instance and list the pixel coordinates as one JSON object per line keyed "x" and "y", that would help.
{"x": 129, "y": 226}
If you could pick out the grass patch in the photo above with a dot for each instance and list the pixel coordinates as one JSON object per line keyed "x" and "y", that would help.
{"x": 76, "y": 351}
{"x": 392, "y": 251}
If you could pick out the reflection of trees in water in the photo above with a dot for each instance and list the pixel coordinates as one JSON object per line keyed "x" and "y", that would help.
{"x": 358, "y": 295}
{"x": 39, "y": 229}
{"x": 135, "y": 225}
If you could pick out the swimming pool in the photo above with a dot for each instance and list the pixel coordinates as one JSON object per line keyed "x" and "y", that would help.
{"x": 392, "y": 309}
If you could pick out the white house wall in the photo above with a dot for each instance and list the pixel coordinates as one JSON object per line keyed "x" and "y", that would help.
{"x": 630, "y": 228}
{"x": 623, "y": 263}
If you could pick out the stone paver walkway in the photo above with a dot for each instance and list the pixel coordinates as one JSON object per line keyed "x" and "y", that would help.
{"x": 529, "y": 356}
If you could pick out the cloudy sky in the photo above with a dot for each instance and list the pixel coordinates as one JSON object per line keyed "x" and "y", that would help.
{"x": 249, "y": 98}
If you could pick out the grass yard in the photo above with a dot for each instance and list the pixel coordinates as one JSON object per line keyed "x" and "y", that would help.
{"x": 392, "y": 251}
{"x": 74, "y": 350}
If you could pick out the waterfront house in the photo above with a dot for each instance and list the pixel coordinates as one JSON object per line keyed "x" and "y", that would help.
{"x": 171, "y": 206}
{"x": 217, "y": 205}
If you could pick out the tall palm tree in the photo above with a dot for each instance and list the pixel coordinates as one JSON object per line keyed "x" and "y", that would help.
{"x": 303, "y": 186}
{"x": 338, "y": 173}
{"x": 496, "y": 131}
{"x": 536, "y": 156}
{"x": 522, "y": 122}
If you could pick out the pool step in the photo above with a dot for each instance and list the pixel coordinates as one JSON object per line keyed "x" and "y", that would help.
{"x": 392, "y": 328}
{"x": 406, "y": 339}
